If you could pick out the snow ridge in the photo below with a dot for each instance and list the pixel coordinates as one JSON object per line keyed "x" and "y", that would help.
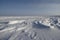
{"x": 32, "y": 28}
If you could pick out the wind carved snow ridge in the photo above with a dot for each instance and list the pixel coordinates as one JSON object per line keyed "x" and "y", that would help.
{"x": 32, "y": 28}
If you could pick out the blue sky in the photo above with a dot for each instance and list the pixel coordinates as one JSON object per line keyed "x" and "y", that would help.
{"x": 29, "y": 7}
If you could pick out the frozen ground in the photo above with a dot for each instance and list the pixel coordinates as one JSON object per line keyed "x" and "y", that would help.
{"x": 30, "y": 28}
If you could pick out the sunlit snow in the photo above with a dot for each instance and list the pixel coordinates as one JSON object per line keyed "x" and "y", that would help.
{"x": 30, "y": 28}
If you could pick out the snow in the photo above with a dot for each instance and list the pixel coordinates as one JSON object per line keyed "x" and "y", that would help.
{"x": 29, "y": 28}
{"x": 7, "y": 29}
{"x": 16, "y": 21}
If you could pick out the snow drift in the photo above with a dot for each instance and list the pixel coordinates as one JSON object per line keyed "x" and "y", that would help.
{"x": 32, "y": 28}
{"x": 16, "y": 21}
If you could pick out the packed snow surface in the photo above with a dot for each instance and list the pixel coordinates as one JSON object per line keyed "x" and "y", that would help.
{"x": 30, "y": 28}
{"x": 16, "y": 21}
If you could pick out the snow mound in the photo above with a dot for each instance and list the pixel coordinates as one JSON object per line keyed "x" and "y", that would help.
{"x": 16, "y": 21}
{"x": 52, "y": 23}
{"x": 37, "y": 24}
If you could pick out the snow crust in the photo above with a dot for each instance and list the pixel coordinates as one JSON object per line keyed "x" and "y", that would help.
{"x": 16, "y": 21}
{"x": 30, "y": 28}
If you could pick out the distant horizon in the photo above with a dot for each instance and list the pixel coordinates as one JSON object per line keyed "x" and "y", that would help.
{"x": 27, "y": 15}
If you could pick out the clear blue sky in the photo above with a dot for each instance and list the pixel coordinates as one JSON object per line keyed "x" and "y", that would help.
{"x": 29, "y": 7}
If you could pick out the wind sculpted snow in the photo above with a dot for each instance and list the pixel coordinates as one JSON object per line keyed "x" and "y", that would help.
{"x": 30, "y": 28}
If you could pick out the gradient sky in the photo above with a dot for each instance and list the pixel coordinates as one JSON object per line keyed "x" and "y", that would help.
{"x": 29, "y": 7}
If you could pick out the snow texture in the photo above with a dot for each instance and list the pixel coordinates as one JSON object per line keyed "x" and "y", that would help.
{"x": 30, "y": 28}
